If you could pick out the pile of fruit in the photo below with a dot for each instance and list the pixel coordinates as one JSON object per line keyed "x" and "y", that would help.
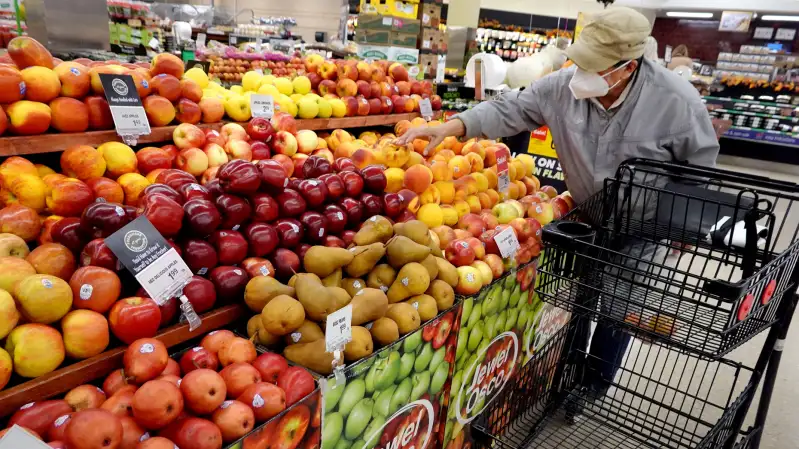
{"x": 211, "y": 395}
{"x": 233, "y": 69}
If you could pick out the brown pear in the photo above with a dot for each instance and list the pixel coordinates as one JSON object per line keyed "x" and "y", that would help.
{"x": 334, "y": 280}
{"x": 261, "y": 289}
{"x": 447, "y": 272}
{"x": 425, "y": 305}
{"x": 360, "y": 346}
{"x": 340, "y": 296}
{"x": 430, "y": 265}
{"x": 381, "y": 277}
{"x": 442, "y": 293}
{"x": 311, "y": 355}
{"x": 257, "y": 333}
{"x": 411, "y": 280}
{"x": 324, "y": 260}
{"x": 401, "y": 250}
{"x": 352, "y": 285}
{"x": 406, "y": 317}
{"x": 282, "y": 315}
{"x": 415, "y": 230}
{"x": 366, "y": 258}
{"x": 375, "y": 229}
{"x": 314, "y": 296}
{"x": 384, "y": 331}
{"x": 368, "y": 305}
{"x": 306, "y": 333}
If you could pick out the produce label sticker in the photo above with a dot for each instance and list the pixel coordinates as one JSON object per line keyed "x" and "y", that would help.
{"x": 205, "y": 66}
{"x": 426, "y": 109}
{"x": 130, "y": 119}
{"x": 507, "y": 243}
{"x": 156, "y": 265}
{"x": 503, "y": 179}
{"x": 262, "y": 106}
{"x": 18, "y": 438}
{"x": 338, "y": 331}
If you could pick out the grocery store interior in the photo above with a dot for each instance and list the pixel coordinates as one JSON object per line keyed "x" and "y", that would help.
{"x": 339, "y": 224}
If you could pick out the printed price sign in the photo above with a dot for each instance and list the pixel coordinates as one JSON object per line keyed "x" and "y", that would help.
{"x": 503, "y": 179}
{"x": 205, "y": 66}
{"x": 507, "y": 242}
{"x": 426, "y": 109}
{"x": 338, "y": 331}
{"x": 154, "y": 263}
{"x": 130, "y": 119}
{"x": 262, "y": 106}
{"x": 18, "y": 437}
{"x": 201, "y": 39}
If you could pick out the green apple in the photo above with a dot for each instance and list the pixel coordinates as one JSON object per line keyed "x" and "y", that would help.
{"x": 353, "y": 393}
{"x": 516, "y": 295}
{"x": 513, "y": 315}
{"x": 491, "y": 303}
{"x": 456, "y": 382}
{"x": 343, "y": 444}
{"x": 475, "y": 316}
{"x": 370, "y": 379}
{"x": 489, "y": 322}
{"x": 332, "y": 395}
{"x": 423, "y": 359}
{"x": 420, "y": 383}
{"x": 475, "y": 335}
{"x": 439, "y": 378}
{"x": 383, "y": 402}
{"x": 513, "y": 301}
{"x": 358, "y": 419}
{"x": 412, "y": 342}
{"x": 387, "y": 370}
{"x": 509, "y": 281}
{"x": 331, "y": 431}
{"x": 372, "y": 433}
{"x": 406, "y": 365}
{"x": 463, "y": 336}
{"x": 499, "y": 325}
{"x": 466, "y": 310}
{"x": 401, "y": 395}
{"x": 437, "y": 358}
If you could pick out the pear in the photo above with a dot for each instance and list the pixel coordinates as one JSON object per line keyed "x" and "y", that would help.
{"x": 368, "y": 305}
{"x": 425, "y": 305}
{"x": 384, "y": 331}
{"x": 412, "y": 279}
{"x": 366, "y": 258}
{"x": 311, "y": 355}
{"x": 324, "y": 260}
{"x": 315, "y": 297}
{"x": 415, "y": 230}
{"x": 306, "y": 333}
{"x": 442, "y": 293}
{"x": 333, "y": 280}
{"x": 340, "y": 296}
{"x": 401, "y": 250}
{"x": 406, "y": 317}
{"x": 447, "y": 272}
{"x": 381, "y": 277}
{"x": 282, "y": 315}
{"x": 352, "y": 285}
{"x": 257, "y": 333}
{"x": 375, "y": 229}
{"x": 430, "y": 265}
{"x": 261, "y": 289}
{"x": 360, "y": 346}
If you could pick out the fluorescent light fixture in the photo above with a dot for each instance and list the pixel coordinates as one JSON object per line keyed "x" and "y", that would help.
{"x": 690, "y": 15}
{"x": 780, "y": 18}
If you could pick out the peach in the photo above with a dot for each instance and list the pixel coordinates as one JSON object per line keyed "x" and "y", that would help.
{"x": 431, "y": 195}
{"x": 363, "y": 157}
{"x": 75, "y": 79}
{"x": 188, "y": 111}
{"x": 462, "y": 207}
{"x": 192, "y": 161}
{"x": 41, "y": 84}
{"x": 167, "y": 63}
{"x": 431, "y": 215}
{"x": 152, "y": 158}
{"x": 191, "y": 90}
{"x": 394, "y": 179}
{"x": 99, "y": 113}
{"x": 119, "y": 158}
{"x": 107, "y": 189}
{"x": 398, "y": 72}
{"x": 69, "y": 197}
{"x": 414, "y": 158}
{"x": 446, "y": 190}
{"x": 82, "y": 162}
{"x": 167, "y": 86}
{"x": 133, "y": 184}
{"x": 21, "y": 221}
{"x": 450, "y": 215}
{"x": 337, "y": 137}
{"x": 12, "y": 87}
{"x": 474, "y": 204}
{"x": 85, "y": 333}
{"x": 36, "y": 349}
{"x": 460, "y": 166}
{"x": 213, "y": 109}
{"x": 441, "y": 171}
{"x": 418, "y": 178}
{"x": 28, "y": 117}
{"x": 69, "y": 115}
{"x": 160, "y": 111}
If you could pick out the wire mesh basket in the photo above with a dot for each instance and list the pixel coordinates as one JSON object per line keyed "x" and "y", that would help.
{"x": 660, "y": 398}
{"x": 698, "y": 257}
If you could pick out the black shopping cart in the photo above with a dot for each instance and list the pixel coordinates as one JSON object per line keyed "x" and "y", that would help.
{"x": 679, "y": 265}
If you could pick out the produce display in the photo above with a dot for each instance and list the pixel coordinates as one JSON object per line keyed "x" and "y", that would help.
{"x": 211, "y": 395}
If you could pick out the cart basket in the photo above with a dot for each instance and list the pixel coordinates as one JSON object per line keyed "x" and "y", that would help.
{"x": 699, "y": 257}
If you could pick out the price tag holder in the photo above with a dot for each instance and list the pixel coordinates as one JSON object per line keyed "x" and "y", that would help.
{"x": 201, "y": 39}
{"x": 258, "y": 43}
{"x": 130, "y": 119}
{"x": 189, "y": 313}
{"x": 18, "y": 437}
{"x": 426, "y": 109}
{"x": 205, "y": 66}
{"x": 503, "y": 178}
{"x": 232, "y": 40}
{"x": 507, "y": 243}
{"x": 154, "y": 263}
{"x": 262, "y": 106}
{"x": 338, "y": 331}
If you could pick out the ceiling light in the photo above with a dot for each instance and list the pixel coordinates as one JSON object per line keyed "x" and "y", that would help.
{"x": 780, "y": 18}
{"x": 690, "y": 15}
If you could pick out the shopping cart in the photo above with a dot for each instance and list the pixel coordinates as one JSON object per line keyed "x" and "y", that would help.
{"x": 690, "y": 261}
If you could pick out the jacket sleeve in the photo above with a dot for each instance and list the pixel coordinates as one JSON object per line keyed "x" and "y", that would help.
{"x": 699, "y": 144}
{"x": 510, "y": 114}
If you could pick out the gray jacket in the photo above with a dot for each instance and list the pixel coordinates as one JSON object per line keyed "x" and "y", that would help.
{"x": 662, "y": 118}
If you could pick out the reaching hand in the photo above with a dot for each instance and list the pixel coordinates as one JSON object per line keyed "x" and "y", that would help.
{"x": 436, "y": 134}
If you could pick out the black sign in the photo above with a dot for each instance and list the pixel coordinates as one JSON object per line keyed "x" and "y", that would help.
{"x": 205, "y": 66}
{"x": 120, "y": 90}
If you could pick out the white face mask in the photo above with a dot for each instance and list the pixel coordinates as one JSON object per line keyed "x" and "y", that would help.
{"x": 591, "y": 85}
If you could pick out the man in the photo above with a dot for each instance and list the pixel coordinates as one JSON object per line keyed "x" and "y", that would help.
{"x": 613, "y": 106}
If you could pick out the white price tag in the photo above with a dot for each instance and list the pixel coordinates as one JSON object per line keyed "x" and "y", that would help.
{"x": 262, "y": 105}
{"x": 426, "y": 44}
{"x": 18, "y": 437}
{"x": 165, "y": 277}
{"x": 387, "y": 21}
{"x": 259, "y": 71}
{"x": 426, "y": 109}
{"x": 130, "y": 121}
{"x": 338, "y": 331}
{"x": 441, "y": 68}
{"x": 503, "y": 182}
{"x": 507, "y": 242}
{"x": 201, "y": 39}
{"x": 232, "y": 40}
{"x": 258, "y": 43}
{"x": 154, "y": 43}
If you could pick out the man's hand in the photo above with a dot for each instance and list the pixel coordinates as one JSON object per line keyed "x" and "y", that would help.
{"x": 436, "y": 134}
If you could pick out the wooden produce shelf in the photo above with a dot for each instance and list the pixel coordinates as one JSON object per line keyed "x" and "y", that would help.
{"x": 99, "y": 366}
{"x": 50, "y": 143}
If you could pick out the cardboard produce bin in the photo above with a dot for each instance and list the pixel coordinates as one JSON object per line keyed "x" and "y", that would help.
{"x": 397, "y": 396}
{"x": 431, "y": 15}
{"x": 388, "y": 23}
{"x": 396, "y": 8}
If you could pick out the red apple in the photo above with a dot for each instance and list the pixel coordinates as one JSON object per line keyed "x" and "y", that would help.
{"x": 291, "y": 202}
{"x": 336, "y": 218}
{"x": 354, "y": 210}
{"x": 200, "y": 293}
{"x": 315, "y": 225}
{"x": 265, "y": 208}
{"x": 261, "y": 129}
{"x": 231, "y": 246}
{"x": 286, "y": 263}
{"x": 229, "y": 282}
{"x": 199, "y": 255}
{"x": 262, "y": 238}
{"x": 201, "y": 217}
{"x": 235, "y": 211}
{"x": 133, "y": 318}
{"x": 459, "y": 253}
{"x": 198, "y": 358}
{"x": 97, "y": 253}
{"x": 297, "y": 382}
{"x": 353, "y": 183}
{"x": 270, "y": 365}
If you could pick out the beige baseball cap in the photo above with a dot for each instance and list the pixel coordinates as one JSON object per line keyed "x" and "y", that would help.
{"x": 616, "y": 34}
